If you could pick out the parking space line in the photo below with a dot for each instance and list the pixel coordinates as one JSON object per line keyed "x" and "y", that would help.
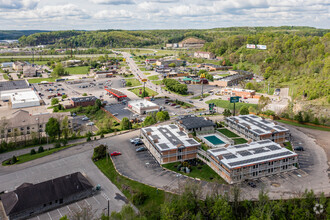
{"x": 38, "y": 217}
{"x": 69, "y": 209}
{"x": 79, "y": 206}
{"x": 60, "y": 213}
{"x": 96, "y": 200}
{"x": 49, "y": 216}
{"x": 87, "y": 202}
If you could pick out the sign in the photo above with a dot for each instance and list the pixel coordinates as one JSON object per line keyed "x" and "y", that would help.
{"x": 124, "y": 59}
{"x": 202, "y": 75}
{"x": 234, "y": 99}
{"x": 251, "y": 46}
{"x": 144, "y": 80}
{"x": 211, "y": 106}
{"x": 262, "y": 47}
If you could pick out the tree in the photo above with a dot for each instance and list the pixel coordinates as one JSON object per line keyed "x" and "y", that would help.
{"x": 161, "y": 116}
{"x": 84, "y": 94}
{"x": 263, "y": 102}
{"x": 40, "y": 149}
{"x": 98, "y": 104}
{"x": 65, "y": 127}
{"x": 99, "y": 152}
{"x": 125, "y": 124}
{"x": 14, "y": 160}
{"x": 33, "y": 151}
{"x": 250, "y": 86}
{"x": 226, "y": 112}
{"x": 58, "y": 70}
{"x": 54, "y": 101}
{"x": 53, "y": 128}
{"x": 149, "y": 120}
{"x": 244, "y": 110}
{"x": 299, "y": 117}
{"x": 144, "y": 94}
{"x": 64, "y": 96}
{"x": 172, "y": 65}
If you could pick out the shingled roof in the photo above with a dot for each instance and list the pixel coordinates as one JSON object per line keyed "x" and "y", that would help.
{"x": 28, "y": 196}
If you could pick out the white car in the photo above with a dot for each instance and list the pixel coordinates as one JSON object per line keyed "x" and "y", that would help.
{"x": 90, "y": 123}
{"x": 133, "y": 140}
{"x": 85, "y": 119}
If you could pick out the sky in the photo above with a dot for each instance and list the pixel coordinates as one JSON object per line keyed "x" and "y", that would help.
{"x": 160, "y": 14}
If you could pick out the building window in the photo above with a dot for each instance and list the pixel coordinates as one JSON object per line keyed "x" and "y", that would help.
{"x": 9, "y": 130}
{"x": 44, "y": 205}
{"x": 179, "y": 157}
{"x": 50, "y": 203}
{"x": 28, "y": 128}
{"x": 56, "y": 201}
{"x": 40, "y": 126}
{"x": 61, "y": 201}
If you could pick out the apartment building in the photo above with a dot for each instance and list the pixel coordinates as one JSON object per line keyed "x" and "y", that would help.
{"x": 258, "y": 128}
{"x": 169, "y": 143}
{"x": 250, "y": 161}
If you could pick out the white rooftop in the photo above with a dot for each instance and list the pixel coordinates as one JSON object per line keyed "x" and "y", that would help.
{"x": 168, "y": 137}
{"x": 257, "y": 124}
{"x": 22, "y": 97}
{"x": 141, "y": 103}
{"x": 249, "y": 154}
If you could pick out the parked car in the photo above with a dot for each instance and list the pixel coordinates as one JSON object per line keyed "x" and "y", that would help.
{"x": 252, "y": 184}
{"x": 178, "y": 106}
{"x": 115, "y": 114}
{"x": 190, "y": 101}
{"x": 90, "y": 123}
{"x": 115, "y": 153}
{"x": 201, "y": 100}
{"x": 85, "y": 119}
{"x": 299, "y": 148}
{"x": 132, "y": 140}
{"x": 140, "y": 149}
{"x": 173, "y": 104}
{"x": 138, "y": 143}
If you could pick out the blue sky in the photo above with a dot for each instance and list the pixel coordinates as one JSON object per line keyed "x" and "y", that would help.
{"x": 160, "y": 14}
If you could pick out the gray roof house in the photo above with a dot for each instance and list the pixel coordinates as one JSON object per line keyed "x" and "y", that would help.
{"x": 199, "y": 125}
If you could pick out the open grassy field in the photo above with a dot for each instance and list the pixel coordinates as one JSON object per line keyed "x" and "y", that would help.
{"x": 142, "y": 68}
{"x": 136, "y": 91}
{"x": 146, "y": 74}
{"x": 5, "y": 76}
{"x": 227, "y": 133}
{"x": 134, "y": 82}
{"x": 38, "y": 80}
{"x": 239, "y": 141}
{"x": 41, "y": 62}
{"x": 77, "y": 70}
{"x": 155, "y": 77}
{"x": 228, "y": 105}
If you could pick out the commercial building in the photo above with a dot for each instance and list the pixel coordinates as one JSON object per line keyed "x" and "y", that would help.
{"x": 143, "y": 106}
{"x": 169, "y": 143}
{"x": 116, "y": 93}
{"x": 29, "y": 71}
{"x": 205, "y": 55}
{"x": 29, "y": 199}
{"x": 232, "y": 80}
{"x": 23, "y": 123}
{"x": 257, "y": 128}
{"x": 7, "y": 65}
{"x": 238, "y": 92}
{"x": 250, "y": 161}
{"x": 165, "y": 63}
{"x": 83, "y": 101}
{"x": 18, "y": 65}
{"x": 200, "y": 125}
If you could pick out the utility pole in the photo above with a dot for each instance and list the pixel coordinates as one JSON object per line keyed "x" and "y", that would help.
{"x": 108, "y": 207}
{"x": 268, "y": 88}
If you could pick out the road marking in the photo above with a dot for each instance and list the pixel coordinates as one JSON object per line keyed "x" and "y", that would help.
{"x": 69, "y": 208}
{"x": 38, "y": 217}
{"x": 60, "y": 213}
{"x": 87, "y": 202}
{"x": 96, "y": 200}
{"x": 49, "y": 216}
{"x": 79, "y": 206}
{"x": 105, "y": 196}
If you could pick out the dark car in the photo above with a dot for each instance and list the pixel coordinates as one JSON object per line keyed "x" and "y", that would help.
{"x": 252, "y": 184}
{"x": 140, "y": 149}
{"x": 138, "y": 143}
{"x": 299, "y": 148}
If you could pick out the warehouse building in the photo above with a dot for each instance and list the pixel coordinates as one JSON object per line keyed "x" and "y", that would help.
{"x": 232, "y": 80}
{"x": 250, "y": 161}
{"x": 29, "y": 199}
{"x": 199, "y": 125}
{"x": 143, "y": 106}
{"x": 257, "y": 128}
{"x": 169, "y": 143}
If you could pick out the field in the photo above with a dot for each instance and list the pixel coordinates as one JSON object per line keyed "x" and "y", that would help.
{"x": 240, "y": 141}
{"x": 41, "y": 62}
{"x": 38, "y": 80}
{"x": 142, "y": 69}
{"x": 5, "y": 76}
{"x": 228, "y": 105}
{"x": 146, "y": 74}
{"x": 77, "y": 70}
{"x": 136, "y": 91}
{"x": 157, "y": 82}
{"x": 155, "y": 77}
{"x": 134, "y": 82}
{"x": 227, "y": 133}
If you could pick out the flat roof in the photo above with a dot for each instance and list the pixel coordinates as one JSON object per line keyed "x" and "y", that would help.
{"x": 190, "y": 122}
{"x": 84, "y": 99}
{"x": 169, "y": 137}
{"x": 14, "y": 85}
{"x": 141, "y": 103}
{"x": 116, "y": 93}
{"x": 249, "y": 154}
{"x": 256, "y": 124}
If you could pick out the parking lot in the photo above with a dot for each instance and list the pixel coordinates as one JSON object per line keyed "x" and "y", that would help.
{"x": 120, "y": 111}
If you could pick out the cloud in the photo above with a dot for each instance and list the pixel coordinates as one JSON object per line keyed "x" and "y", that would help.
{"x": 113, "y": 2}
{"x": 18, "y": 4}
{"x": 113, "y": 14}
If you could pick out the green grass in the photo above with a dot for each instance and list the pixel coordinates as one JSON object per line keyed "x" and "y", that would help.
{"x": 205, "y": 173}
{"x": 227, "y": 133}
{"x": 28, "y": 157}
{"x": 5, "y": 76}
{"x": 240, "y": 141}
{"x": 288, "y": 145}
{"x": 228, "y": 105}
{"x": 146, "y": 74}
{"x": 157, "y": 82}
{"x": 304, "y": 125}
{"x": 129, "y": 75}
{"x": 165, "y": 52}
{"x": 200, "y": 96}
{"x": 77, "y": 70}
{"x": 165, "y": 88}
{"x": 143, "y": 69}
{"x": 134, "y": 82}
{"x": 38, "y": 80}
{"x": 136, "y": 91}
{"x": 41, "y": 62}
{"x": 155, "y": 77}
{"x": 155, "y": 197}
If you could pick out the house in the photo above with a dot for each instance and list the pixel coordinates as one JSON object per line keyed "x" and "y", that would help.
{"x": 29, "y": 199}
{"x": 213, "y": 67}
{"x": 199, "y": 125}
{"x": 204, "y": 55}
{"x": 253, "y": 160}
{"x": 191, "y": 42}
{"x": 18, "y": 65}
{"x": 83, "y": 101}
{"x": 29, "y": 71}
{"x": 169, "y": 143}
{"x": 257, "y": 128}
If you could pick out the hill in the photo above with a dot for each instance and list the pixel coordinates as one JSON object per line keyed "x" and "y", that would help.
{"x": 16, "y": 34}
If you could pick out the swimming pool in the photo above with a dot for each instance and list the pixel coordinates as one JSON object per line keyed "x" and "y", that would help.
{"x": 214, "y": 140}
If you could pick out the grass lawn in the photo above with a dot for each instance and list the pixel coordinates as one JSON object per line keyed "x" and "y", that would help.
{"x": 38, "y": 80}
{"x": 157, "y": 82}
{"x": 134, "y": 82}
{"x": 288, "y": 145}
{"x": 146, "y": 74}
{"x": 200, "y": 96}
{"x": 165, "y": 88}
{"x": 204, "y": 173}
{"x": 5, "y": 76}
{"x": 28, "y": 157}
{"x": 77, "y": 70}
{"x": 143, "y": 69}
{"x": 136, "y": 91}
{"x": 129, "y": 75}
{"x": 227, "y": 133}
{"x": 41, "y": 62}
{"x": 164, "y": 52}
{"x": 227, "y": 104}
{"x": 240, "y": 141}
{"x": 131, "y": 189}
{"x": 303, "y": 125}
{"x": 155, "y": 77}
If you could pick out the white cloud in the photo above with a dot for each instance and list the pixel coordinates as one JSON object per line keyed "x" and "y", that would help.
{"x": 18, "y": 4}
{"x": 111, "y": 14}
{"x": 113, "y": 2}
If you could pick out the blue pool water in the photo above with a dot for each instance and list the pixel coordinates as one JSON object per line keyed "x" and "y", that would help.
{"x": 214, "y": 140}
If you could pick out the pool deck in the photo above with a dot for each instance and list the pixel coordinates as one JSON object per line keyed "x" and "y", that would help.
{"x": 224, "y": 139}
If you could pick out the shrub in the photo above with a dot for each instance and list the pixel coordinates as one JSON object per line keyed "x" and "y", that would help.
{"x": 33, "y": 151}
{"x": 57, "y": 145}
{"x": 102, "y": 135}
{"x": 14, "y": 160}
{"x": 64, "y": 142}
{"x": 139, "y": 198}
{"x": 88, "y": 139}
{"x": 40, "y": 149}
